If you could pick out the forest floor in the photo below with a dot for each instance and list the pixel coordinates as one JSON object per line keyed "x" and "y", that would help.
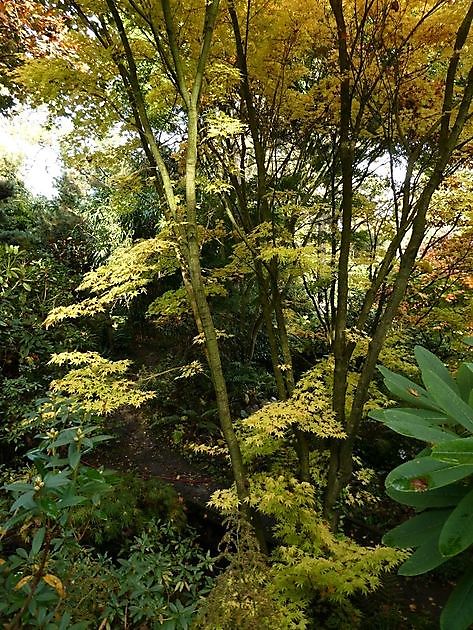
{"x": 400, "y": 604}
{"x": 136, "y": 448}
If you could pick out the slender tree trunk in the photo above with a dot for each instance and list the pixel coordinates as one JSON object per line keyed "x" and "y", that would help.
{"x": 341, "y": 356}
{"x": 277, "y": 336}
{"x": 198, "y": 288}
{"x": 185, "y": 225}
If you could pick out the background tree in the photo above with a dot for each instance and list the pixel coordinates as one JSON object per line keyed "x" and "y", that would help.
{"x": 440, "y": 140}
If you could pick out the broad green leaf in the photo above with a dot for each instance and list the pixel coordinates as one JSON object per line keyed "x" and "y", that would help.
{"x": 102, "y": 438}
{"x": 89, "y": 429}
{"x": 413, "y": 533}
{"x": 70, "y": 501}
{"x": 428, "y": 362}
{"x": 434, "y": 415}
{"x": 25, "y": 501}
{"x": 425, "y": 452}
{"x": 425, "y": 473}
{"x": 457, "y": 533}
{"x": 468, "y": 341}
{"x": 412, "y": 426}
{"x": 465, "y": 380}
{"x": 18, "y": 486}
{"x": 449, "y": 400}
{"x": 56, "y": 480}
{"x": 437, "y": 498}
{"x": 407, "y": 390}
{"x": 65, "y": 437}
{"x": 22, "y": 553}
{"x": 73, "y": 455}
{"x": 459, "y": 451}
{"x": 457, "y": 613}
{"x": 38, "y": 540}
{"x": 425, "y": 558}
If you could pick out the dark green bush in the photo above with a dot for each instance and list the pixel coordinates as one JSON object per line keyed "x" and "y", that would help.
{"x": 132, "y": 504}
{"x": 438, "y": 481}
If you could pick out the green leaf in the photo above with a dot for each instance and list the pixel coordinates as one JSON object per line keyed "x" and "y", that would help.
{"x": 22, "y": 553}
{"x": 433, "y": 415}
{"x": 465, "y": 380}
{"x": 102, "y": 438}
{"x": 414, "y": 532}
{"x": 56, "y": 480}
{"x": 458, "y": 611}
{"x": 18, "y": 486}
{"x": 425, "y": 473}
{"x": 425, "y": 558}
{"x": 448, "y": 400}
{"x": 73, "y": 455}
{"x": 459, "y": 451}
{"x": 38, "y": 540}
{"x": 412, "y": 425}
{"x": 457, "y": 533}
{"x": 65, "y": 437}
{"x": 468, "y": 341}
{"x": 407, "y": 390}
{"x": 70, "y": 501}
{"x": 437, "y": 498}
{"x": 25, "y": 501}
{"x": 428, "y": 362}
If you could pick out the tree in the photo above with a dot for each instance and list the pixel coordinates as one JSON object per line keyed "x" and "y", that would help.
{"x": 439, "y": 143}
{"x": 289, "y": 160}
{"x": 26, "y": 27}
{"x": 109, "y": 24}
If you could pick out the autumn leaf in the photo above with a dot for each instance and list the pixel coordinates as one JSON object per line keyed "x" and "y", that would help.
{"x": 56, "y": 584}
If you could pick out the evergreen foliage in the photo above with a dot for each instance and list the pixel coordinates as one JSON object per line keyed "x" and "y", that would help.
{"x": 438, "y": 481}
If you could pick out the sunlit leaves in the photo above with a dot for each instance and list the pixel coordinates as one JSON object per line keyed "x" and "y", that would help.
{"x": 125, "y": 275}
{"x": 308, "y": 409}
{"x": 96, "y": 384}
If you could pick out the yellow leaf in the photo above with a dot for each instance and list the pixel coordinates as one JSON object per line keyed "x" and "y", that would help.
{"x": 56, "y": 583}
{"x": 23, "y": 581}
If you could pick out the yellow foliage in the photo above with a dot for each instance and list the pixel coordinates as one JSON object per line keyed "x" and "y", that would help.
{"x": 55, "y": 583}
{"x": 97, "y": 385}
{"x": 311, "y": 561}
{"x": 124, "y": 276}
{"x": 220, "y": 125}
{"x": 23, "y": 582}
{"x": 309, "y": 409}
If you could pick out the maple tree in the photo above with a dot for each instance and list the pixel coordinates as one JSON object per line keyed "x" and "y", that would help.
{"x": 290, "y": 109}
{"x": 27, "y": 29}
{"x": 301, "y": 160}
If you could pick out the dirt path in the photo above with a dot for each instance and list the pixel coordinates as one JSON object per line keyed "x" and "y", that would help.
{"x": 137, "y": 449}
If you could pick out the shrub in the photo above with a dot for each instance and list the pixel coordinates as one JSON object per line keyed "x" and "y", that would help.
{"x": 132, "y": 504}
{"x": 160, "y": 581}
{"x": 438, "y": 482}
{"x": 53, "y": 581}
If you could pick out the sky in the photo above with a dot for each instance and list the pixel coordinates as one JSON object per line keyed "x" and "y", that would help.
{"x": 26, "y": 140}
